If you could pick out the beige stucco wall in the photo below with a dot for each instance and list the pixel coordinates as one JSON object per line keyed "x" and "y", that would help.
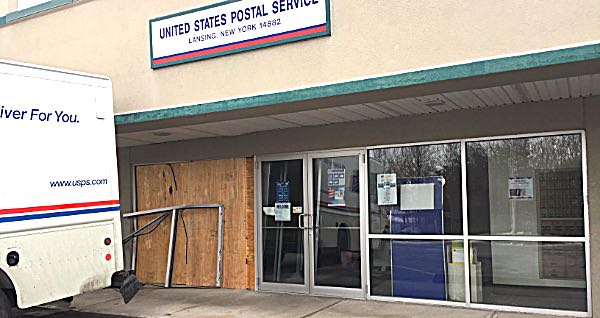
{"x": 368, "y": 38}
{"x": 7, "y": 6}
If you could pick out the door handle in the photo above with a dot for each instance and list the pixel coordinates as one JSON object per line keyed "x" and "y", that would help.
{"x": 301, "y": 223}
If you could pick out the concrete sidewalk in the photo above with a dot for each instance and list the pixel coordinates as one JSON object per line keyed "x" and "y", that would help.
{"x": 221, "y": 303}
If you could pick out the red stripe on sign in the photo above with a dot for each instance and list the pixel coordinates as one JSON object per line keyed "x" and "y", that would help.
{"x": 57, "y": 207}
{"x": 242, "y": 45}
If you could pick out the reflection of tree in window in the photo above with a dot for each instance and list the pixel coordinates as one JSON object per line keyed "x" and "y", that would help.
{"x": 423, "y": 161}
{"x": 545, "y": 161}
{"x": 538, "y": 152}
{"x": 418, "y": 161}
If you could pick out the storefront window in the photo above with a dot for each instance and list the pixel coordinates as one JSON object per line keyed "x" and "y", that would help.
{"x": 425, "y": 269}
{"x": 525, "y": 186}
{"x": 525, "y": 212}
{"x": 529, "y": 274}
{"x": 415, "y": 190}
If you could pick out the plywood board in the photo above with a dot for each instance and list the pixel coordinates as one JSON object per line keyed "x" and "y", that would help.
{"x": 250, "y": 255}
{"x": 229, "y": 182}
{"x": 155, "y": 186}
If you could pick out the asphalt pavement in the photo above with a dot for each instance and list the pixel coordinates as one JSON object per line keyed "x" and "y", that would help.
{"x": 51, "y": 311}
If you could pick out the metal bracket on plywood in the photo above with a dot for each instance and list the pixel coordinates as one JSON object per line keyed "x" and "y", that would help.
{"x": 174, "y": 213}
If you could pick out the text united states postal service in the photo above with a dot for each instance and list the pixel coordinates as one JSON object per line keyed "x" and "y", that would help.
{"x": 235, "y": 26}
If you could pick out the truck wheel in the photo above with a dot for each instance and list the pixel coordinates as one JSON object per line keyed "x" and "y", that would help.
{"x": 6, "y": 309}
{"x": 68, "y": 299}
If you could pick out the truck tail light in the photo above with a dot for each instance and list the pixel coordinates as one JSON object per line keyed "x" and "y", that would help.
{"x": 12, "y": 259}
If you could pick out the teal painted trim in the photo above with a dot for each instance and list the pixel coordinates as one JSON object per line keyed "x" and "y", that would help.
{"x": 3, "y": 20}
{"x": 36, "y": 9}
{"x": 499, "y": 65}
{"x": 249, "y": 48}
{"x": 328, "y": 16}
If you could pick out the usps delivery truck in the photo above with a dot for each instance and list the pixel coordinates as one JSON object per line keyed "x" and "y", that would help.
{"x": 60, "y": 226}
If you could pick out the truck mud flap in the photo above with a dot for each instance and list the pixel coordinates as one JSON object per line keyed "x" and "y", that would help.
{"x": 130, "y": 287}
{"x": 127, "y": 283}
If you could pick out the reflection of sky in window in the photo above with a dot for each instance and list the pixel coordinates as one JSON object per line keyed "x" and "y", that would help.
{"x": 24, "y": 4}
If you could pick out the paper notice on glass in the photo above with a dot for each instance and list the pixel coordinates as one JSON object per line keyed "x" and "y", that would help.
{"x": 282, "y": 191}
{"x": 269, "y": 210}
{"x": 336, "y": 196}
{"x": 336, "y": 187}
{"x": 520, "y": 188}
{"x": 283, "y": 211}
{"x": 297, "y": 210}
{"x": 387, "y": 193}
{"x": 336, "y": 177}
{"x": 417, "y": 196}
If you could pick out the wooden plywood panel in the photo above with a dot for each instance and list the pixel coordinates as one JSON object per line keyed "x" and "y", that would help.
{"x": 234, "y": 260}
{"x": 215, "y": 181}
{"x": 250, "y": 255}
{"x": 155, "y": 189}
{"x": 195, "y": 250}
{"x": 195, "y": 253}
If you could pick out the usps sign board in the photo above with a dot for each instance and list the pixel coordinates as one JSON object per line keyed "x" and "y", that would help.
{"x": 235, "y": 26}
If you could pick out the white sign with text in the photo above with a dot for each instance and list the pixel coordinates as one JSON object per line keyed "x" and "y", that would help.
{"x": 235, "y": 26}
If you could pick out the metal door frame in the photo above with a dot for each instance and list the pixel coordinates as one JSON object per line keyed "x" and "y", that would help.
{"x": 309, "y": 287}
{"x": 361, "y": 292}
{"x": 260, "y": 283}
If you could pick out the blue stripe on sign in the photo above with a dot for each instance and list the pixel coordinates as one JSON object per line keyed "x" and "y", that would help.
{"x": 58, "y": 214}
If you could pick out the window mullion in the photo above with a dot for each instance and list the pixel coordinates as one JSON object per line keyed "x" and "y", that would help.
{"x": 465, "y": 221}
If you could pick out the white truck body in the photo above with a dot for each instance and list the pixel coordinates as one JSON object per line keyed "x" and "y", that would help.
{"x": 59, "y": 196}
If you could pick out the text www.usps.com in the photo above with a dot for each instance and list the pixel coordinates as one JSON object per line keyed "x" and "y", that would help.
{"x": 78, "y": 183}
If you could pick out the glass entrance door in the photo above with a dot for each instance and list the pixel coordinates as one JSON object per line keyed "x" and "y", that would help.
{"x": 336, "y": 242}
{"x": 283, "y": 235}
{"x": 310, "y": 234}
